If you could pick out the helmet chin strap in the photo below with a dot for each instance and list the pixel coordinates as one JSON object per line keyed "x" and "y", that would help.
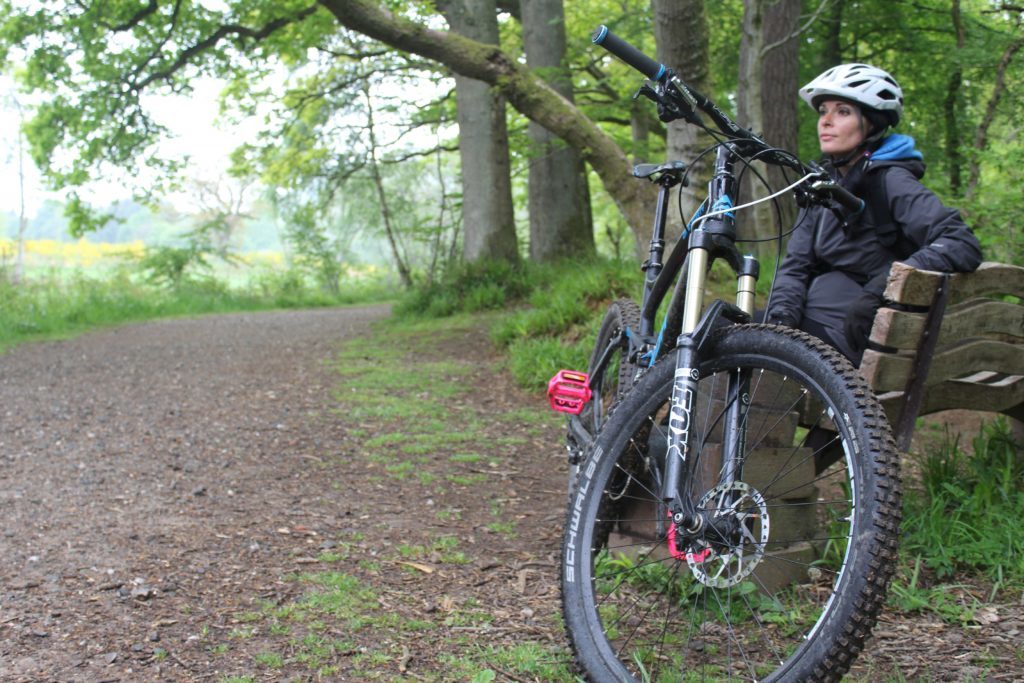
{"x": 843, "y": 161}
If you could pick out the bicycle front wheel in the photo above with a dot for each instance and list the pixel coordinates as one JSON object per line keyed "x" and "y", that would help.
{"x": 785, "y": 579}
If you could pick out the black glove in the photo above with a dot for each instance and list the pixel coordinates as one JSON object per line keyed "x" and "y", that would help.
{"x": 857, "y": 326}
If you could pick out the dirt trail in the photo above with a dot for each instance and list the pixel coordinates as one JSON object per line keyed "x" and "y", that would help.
{"x": 161, "y": 486}
{"x": 150, "y": 466}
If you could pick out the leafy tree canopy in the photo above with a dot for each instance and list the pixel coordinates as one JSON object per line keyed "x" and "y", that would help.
{"x": 96, "y": 61}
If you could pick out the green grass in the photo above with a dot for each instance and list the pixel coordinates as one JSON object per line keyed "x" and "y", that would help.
{"x": 964, "y": 514}
{"x": 532, "y": 661}
{"x": 340, "y": 595}
{"x": 270, "y": 659}
{"x": 59, "y": 307}
{"x": 962, "y": 524}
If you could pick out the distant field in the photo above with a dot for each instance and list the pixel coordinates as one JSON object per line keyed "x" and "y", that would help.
{"x": 51, "y": 257}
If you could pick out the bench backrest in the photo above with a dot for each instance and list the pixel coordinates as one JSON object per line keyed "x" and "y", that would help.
{"x": 961, "y": 344}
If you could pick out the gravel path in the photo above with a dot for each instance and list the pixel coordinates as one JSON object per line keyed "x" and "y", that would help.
{"x": 160, "y": 482}
{"x": 165, "y": 460}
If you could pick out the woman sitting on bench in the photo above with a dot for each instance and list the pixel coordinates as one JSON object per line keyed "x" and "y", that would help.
{"x": 831, "y": 281}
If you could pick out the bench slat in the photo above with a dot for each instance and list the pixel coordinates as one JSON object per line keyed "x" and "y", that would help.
{"x": 953, "y": 394}
{"x": 907, "y": 285}
{"x": 889, "y": 372}
{"x": 975, "y": 318}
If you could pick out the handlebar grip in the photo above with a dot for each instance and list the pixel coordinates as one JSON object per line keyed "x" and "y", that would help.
{"x": 627, "y": 53}
{"x": 847, "y": 199}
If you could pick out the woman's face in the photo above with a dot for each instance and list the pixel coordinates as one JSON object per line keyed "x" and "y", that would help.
{"x": 840, "y": 127}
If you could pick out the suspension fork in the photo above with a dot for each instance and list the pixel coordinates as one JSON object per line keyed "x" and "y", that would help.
{"x": 678, "y": 463}
{"x": 734, "y": 436}
{"x": 681, "y": 454}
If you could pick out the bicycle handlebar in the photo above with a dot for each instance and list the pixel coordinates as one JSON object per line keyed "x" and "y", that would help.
{"x": 682, "y": 94}
{"x": 686, "y": 99}
{"x": 628, "y": 53}
{"x": 839, "y": 194}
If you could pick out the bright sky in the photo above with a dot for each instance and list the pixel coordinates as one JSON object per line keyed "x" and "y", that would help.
{"x": 193, "y": 120}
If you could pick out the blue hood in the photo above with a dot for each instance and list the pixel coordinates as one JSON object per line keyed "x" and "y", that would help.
{"x": 897, "y": 147}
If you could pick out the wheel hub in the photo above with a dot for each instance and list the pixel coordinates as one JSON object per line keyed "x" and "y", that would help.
{"x": 732, "y": 540}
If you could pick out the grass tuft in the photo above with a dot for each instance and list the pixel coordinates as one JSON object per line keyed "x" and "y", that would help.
{"x": 59, "y": 307}
{"x": 966, "y": 512}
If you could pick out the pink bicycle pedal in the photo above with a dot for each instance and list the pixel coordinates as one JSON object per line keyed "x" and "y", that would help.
{"x": 568, "y": 391}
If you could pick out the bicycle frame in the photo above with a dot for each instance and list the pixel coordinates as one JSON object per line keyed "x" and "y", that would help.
{"x": 687, "y": 267}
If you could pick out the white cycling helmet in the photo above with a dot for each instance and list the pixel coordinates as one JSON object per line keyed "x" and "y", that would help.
{"x": 865, "y": 85}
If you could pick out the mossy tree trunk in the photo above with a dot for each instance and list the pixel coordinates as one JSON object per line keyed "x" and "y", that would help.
{"x": 767, "y": 104}
{"x": 681, "y": 31}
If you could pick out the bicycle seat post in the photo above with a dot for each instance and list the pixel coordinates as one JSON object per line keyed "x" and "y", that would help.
{"x": 652, "y": 267}
{"x": 666, "y": 176}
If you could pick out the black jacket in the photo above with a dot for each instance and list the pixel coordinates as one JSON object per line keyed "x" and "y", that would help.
{"x": 826, "y": 266}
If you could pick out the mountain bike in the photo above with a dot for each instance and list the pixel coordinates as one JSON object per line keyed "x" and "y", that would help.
{"x": 734, "y": 502}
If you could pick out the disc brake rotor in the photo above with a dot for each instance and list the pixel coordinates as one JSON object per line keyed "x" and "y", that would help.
{"x": 720, "y": 559}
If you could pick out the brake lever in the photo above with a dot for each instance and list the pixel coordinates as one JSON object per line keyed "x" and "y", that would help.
{"x": 667, "y": 112}
{"x": 647, "y": 91}
{"x": 813, "y": 192}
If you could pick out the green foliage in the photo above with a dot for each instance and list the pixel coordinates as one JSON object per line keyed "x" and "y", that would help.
{"x": 995, "y": 210}
{"x": 946, "y": 601}
{"x": 558, "y": 328}
{"x": 320, "y": 255}
{"x": 96, "y": 64}
{"x": 533, "y": 362}
{"x": 469, "y": 288}
{"x": 169, "y": 266}
{"x": 564, "y": 304}
{"x": 966, "y": 514}
{"x": 567, "y": 295}
{"x": 59, "y": 307}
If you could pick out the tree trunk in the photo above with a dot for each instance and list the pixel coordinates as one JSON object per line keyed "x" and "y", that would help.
{"x": 681, "y": 32}
{"x": 523, "y": 89}
{"x": 767, "y": 103}
{"x": 382, "y": 197}
{"x": 981, "y": 134}
{"x": 832, "y": 50}
{"x": 780, "y": 102}
{"x": 559, "y": 199}
{"x": 489, "y": 230}
{"x": 19, "y": 255}
{"x": 954, "y": 155}
{"x": 640, "y": 129}
{"x": 751, "y": 224}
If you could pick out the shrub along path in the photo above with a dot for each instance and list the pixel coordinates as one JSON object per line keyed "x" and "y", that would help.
{"x": 290, "y": 496}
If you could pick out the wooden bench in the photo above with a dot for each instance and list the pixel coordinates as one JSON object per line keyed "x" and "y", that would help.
{"x": 959, "y": 344}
